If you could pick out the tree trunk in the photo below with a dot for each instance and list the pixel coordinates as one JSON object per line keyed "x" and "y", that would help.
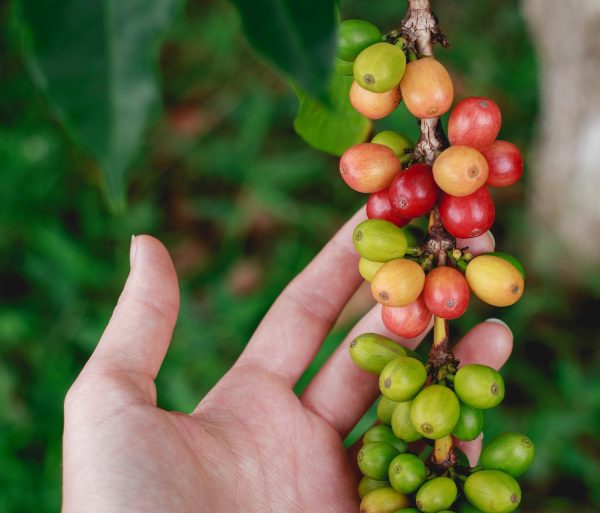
{"x": 564, "y": 175}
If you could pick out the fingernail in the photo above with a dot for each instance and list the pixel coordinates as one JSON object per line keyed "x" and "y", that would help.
{"x": 132, "y": 251}
{"x": 493, "y": 239}
{"x": 498, "y": 321}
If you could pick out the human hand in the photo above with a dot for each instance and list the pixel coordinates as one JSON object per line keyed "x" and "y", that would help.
{"x": 251, "y": 444}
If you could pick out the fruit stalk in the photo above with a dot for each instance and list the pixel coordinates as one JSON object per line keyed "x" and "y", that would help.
{"x": 420, "y": 28}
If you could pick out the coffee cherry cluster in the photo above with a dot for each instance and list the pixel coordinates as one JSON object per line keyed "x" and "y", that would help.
{"x": 413, "y": 409}
{"x": 408, "y": 460}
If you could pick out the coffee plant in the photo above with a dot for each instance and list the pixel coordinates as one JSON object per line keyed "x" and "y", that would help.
{"x": 409, "y": 460}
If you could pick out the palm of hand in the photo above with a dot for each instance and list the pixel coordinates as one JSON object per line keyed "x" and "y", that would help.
{"x": 251, "y": 445}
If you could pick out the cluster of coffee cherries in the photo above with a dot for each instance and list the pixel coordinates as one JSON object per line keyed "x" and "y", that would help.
{"x": 413, "y": 409}
{"x": 413, "y": 284}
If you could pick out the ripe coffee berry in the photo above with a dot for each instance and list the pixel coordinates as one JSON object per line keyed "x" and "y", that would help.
{"x": 369, "y": 167}
{"x": 460, "y": 170}
{"x": 413, "y": 192}
{"x": 407, "y": 321}
{"x": 474, "y": 122}
{"x": 379, "y": 207}
{"x": 468, "y": 216}
{"x": 446, "y": 292}
{"x": 505, "y": 163}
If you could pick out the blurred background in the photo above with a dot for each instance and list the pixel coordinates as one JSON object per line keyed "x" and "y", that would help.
{"x": 243, "y": 203}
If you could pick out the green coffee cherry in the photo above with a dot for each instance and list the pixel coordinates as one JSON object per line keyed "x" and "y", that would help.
{"x": 493, "y": 491}
{"x": 402, "y": 378}
{"x": 368, "y": 268}
{"x": 383, "y": 500}
{"x": 512, "y": 453}
{"x": 479, "y": 386}
{"x": 385, "y": 409}
{"x": 372, "y": 352}
{"x": 510, "y": 259}
{"x": 436, "y": 495}
{"x": 407, "y": 510}
{"x": 374, "y": 459}
{"x": 380, "y": 67}
{"x": 343, "y": 67}
{"x": 401, "y": 423}
{"x": 467, "y": 507}
{"x": 407, "y": 473}
{"x": 382, "y": 433}
{"x": 354, "y": 36}
{"x": 367, "y": 485}
{"x": 470, "y": 423}
{"x": 379, "y": 241}
{"x": 435, "y": 411}
{"x": 400, "y": 144}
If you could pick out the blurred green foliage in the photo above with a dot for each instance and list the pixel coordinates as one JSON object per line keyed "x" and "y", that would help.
{"x": 243, "y": 204}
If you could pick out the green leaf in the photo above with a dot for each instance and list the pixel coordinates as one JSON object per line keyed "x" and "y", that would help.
{"x": 95, "y": 62}
{"x": 298, "y": 37}
{"x": 332, "y": 126}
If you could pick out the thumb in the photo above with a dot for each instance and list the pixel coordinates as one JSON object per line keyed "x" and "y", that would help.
{"x": 137, "y": 337}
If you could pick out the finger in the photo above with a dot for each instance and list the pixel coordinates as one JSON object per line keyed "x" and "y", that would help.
{"x": 291, "y": 333}
{"x": 340, "y": 392}
{"x": 139, "y": 332}
{"x": 471, "y": 449}
{"x": 478, "y": 245}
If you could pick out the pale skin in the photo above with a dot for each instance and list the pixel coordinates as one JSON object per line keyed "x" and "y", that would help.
{"x": 251, "y": 445}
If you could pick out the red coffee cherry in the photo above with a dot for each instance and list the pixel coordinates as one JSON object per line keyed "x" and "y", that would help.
{"x": 468, "y": 216}
{"x": 414, "y": 192}
{"x": 407, "y": 321}
{"x": 505, "y": 163}
{"x": 379, "y": 207}
{"x": 474, "y": 122}
{"x": 446, "y": 292}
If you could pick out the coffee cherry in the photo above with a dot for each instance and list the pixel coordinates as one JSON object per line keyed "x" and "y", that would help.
{"x": 493, "y": 491}
{"x": 343, "y": 67}
{"x": 435, "y": 411}
{"x": 414, "y": 192}
{"x": 437, "y": 494}
{"x": 494, "y": 280}
{"x": 379, "y": 241}
{"x": 474, "y": 122}
{"x": 379, "y": 207}
{"x": 511, "y": 260}
{"x": 466, "y": 507}
{"x": 380, "y": 67}
{"x": 401, "y": 145}
{"x": 402, "y": 426}
{"x": 470, "y": 423}
{"x": 354, "y": 36}
{"x": 505, "y": 163}
{"x": 398, "y": 283}
{"x": 385, "y": 410}
{"x": 407, "y": 321}
{"x": 374, "y": 105}
{"x": 446, "y": 292}
{"x": 383, "y": 500}
{"x": 479, "y": 386}
{"x": 402, "y": 378}
{"x": 512, "y": 453}
{"x": 408, "y": 510}
{"x": 367, "y": 485}
{"x": 407, "y": 473}
{"x": 368, "y": 268}
{"x": 469, "y": 216}
{"x": 372, "y": 352}
{"x": 382, "y": 433}
{"x": 460, "y": 170}
{"x": 369, "y": 167}
{"x": 426, "y": 88}
{"x": 374, "y": 459}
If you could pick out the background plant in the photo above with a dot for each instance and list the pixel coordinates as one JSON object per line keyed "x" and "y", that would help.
{"x": 243, "y": 204}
